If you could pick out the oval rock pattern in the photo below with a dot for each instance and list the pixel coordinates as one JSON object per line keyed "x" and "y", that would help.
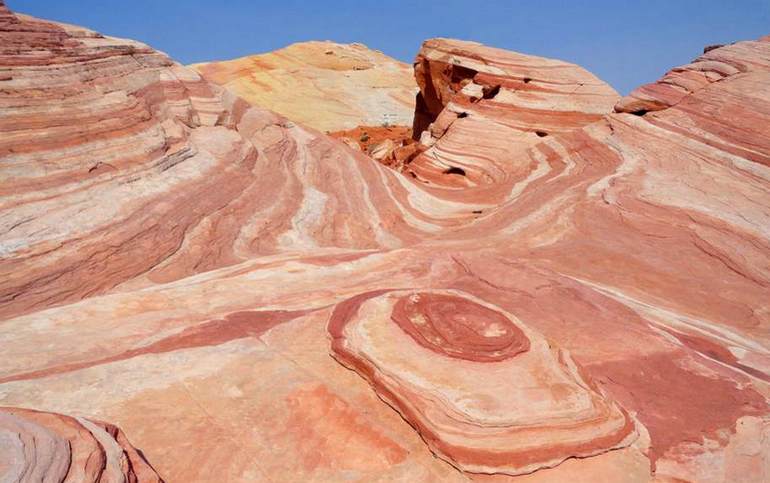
{"x": 485, "y": 392}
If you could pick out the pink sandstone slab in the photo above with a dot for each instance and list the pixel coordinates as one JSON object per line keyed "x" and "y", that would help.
{"x": 485, "y": 392}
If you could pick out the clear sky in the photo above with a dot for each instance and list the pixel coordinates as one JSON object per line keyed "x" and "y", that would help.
{"x": 624, "y": 42}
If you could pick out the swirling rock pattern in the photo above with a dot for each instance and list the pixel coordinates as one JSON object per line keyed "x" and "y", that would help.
{"x": 471, "y": 94}
{"x": 171, "y": 256}
{"x": 485, "y": 392}
{"x": 457, "y": 327}
{"x": 40, "y": 446}
{"x": 88, "y": 118}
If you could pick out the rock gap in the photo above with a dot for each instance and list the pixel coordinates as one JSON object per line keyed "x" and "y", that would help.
{"x": 454, "y": 170}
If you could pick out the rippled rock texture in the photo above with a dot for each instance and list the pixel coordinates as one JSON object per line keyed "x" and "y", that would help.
{"x": 251, "y": 300}
{"x": 324, "y": 85}
{"x": 39, "y": 446}
{"x": 120, "y": 166}
{"x": 472, "y": 95}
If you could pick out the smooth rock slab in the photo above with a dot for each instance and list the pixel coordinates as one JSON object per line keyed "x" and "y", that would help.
{"x": 323, "y": 85}
{"x": 485, "y": 392}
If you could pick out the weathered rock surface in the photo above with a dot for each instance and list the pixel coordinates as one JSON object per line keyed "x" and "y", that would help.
{"x": 472, "y": 95}
{"x": 324, "y": 85}
{"x": 392, "y": 146}
{"x": 193, "y": 270}
{"x": 485, "y": 392}
{"x": 40, "y": 446}
{"x": 119, "y": 165}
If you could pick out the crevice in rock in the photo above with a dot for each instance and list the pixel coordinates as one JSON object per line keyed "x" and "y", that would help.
{"x": 422, "y": 117}
{"x": 454, "y": 170}
{"x": 489, "y": 92}
{"x": 460, "y": 73}
{"x": 436, "y": 86}
{"x": 709, "y": 48}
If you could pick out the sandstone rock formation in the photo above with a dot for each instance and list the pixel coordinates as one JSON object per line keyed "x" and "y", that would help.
{"x": 39, "y": 446}
{"x": 324, "y": 85}
{"x": 392, "y": 146}
{"x": 120, "y": 165}
{"x": 485, "y": 392}
{"x": 472, "y": 95}
{"x": 250, "y": 300}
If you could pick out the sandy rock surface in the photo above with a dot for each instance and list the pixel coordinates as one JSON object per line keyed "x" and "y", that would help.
{"x": 324, "y": 85}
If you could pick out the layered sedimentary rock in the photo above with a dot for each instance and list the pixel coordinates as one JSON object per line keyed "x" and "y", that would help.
{"x": 118, "y": 165}
{"x": 324, "y": 85}
{"x": 40, "y": 446}
{"x": 472, "y": 95}
{"x": 717, "y": 63}
{"x": 485, "y": 392}
{"x": 193, "y": 270}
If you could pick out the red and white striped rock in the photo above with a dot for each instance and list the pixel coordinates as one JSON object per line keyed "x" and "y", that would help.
{"x": 118, "y": 165}
{"x": 40, "y": 446}
{"x": 171, "y": 258}
{"x": 716, "y": 64}
{"x": 478, "y": 102}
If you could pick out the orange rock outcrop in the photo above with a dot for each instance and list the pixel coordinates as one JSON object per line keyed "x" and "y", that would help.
{"x": 324, "y": 85}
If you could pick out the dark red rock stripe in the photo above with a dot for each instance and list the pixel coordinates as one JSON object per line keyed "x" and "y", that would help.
{"x": 238, "y": 325}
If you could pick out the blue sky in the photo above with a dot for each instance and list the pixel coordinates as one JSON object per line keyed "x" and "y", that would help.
{"x": 626, "y": 43}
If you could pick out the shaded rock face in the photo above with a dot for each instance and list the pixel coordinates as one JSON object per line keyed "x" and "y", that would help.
{"x": 324, "y": 85}
{"x": 40, "y": 446}
{"x": 250, "y": 300}
{"x": 391, "y": 146}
